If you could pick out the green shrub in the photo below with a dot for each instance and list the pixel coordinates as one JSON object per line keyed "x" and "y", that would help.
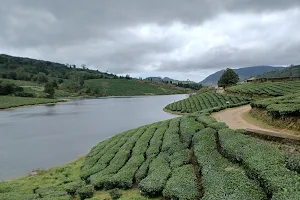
{"x": 217, "y": 125}
{"x": 221, "y": 179}
{"x": 85, "y": 192}
{"x": 182, "y": 184}
{"x": 180, "y": 158}
{"x": 123, "y": 179}
{"x": 115, "y": 194}
{"x": 263, "y": 162}
{"x": 72, "y": 187}
{"x": 188, "y": 127}
{"x": 157, "y": 177}
{"x": 293, "y": 162}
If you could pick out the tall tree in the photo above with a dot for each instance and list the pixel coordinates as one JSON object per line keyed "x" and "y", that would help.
{"x": 49, "y": 90}
{"x": 229, "y": 77}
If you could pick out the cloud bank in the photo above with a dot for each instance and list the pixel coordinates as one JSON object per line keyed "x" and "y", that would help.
{"x": 181, "y": 39}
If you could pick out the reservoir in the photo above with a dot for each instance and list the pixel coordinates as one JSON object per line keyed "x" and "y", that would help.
{"x": 46, "y": 136}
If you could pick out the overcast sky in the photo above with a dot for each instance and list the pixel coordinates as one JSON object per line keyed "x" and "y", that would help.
{"x": 182, "y": 39}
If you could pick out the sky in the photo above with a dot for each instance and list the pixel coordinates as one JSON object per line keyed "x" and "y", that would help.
{"x": 181, "y": 39}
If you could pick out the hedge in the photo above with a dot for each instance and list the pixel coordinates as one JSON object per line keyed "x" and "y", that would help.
{"x": 180, "y": 158}
{"x": 188, "y": 127}
{"x": 159, "y": 172}
{"x": 221, "y": 179}
{"x": 206, "y": 101}
{"x": 124, "y": 178}
{"x": 156, "y": 141}
{"x": 182, "y": 184}
{"x": 262, "y": 162}
{"x": 293, "y": 162}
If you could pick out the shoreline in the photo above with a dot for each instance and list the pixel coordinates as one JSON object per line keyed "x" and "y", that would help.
{"x": 35, "y": 104}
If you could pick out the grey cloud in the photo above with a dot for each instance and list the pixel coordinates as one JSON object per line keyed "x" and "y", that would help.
{"x": 94, "y": 32}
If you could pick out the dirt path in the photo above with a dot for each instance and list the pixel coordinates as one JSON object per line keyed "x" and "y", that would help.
{"x": 234, "y": 119}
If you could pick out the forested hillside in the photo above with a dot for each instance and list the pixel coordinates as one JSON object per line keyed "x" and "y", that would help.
{"x": 70, "y": 80}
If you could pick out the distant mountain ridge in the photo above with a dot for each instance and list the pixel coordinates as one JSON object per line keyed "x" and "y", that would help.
{"x": 243, "y": 73}
{"x": 292, "y": 71}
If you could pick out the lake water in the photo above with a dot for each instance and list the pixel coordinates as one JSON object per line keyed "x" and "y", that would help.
{"x": 45, "y": 136}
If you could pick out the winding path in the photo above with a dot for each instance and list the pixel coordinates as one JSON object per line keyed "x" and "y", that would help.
{"x": 233, "y": 117}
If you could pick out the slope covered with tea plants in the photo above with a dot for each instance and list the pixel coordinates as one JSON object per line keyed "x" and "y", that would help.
{"x": 266, "y": 88}
{"x": 192, "y": 157}
{"x": 206, "y": 101}
{"x": 282, "y": 112}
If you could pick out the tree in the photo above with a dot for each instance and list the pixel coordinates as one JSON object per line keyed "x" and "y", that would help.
{"x": 229, "y": 77}
{"x": 49, "y": 90}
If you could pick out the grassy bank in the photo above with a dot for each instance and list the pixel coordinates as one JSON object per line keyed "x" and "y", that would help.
{"x": 12, "y": 101}
{"x": 287, "y": 124}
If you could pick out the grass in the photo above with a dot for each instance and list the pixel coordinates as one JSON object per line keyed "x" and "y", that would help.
{"x": 123, "y": 87}
{"x": 12, "y": 101}
{"x": 259, "y": 117}
{"x": 55, "y": 179}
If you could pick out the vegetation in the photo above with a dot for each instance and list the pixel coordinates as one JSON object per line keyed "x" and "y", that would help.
{"x": 285, "y": 106}
{"x": 228, "y": 78}
{"x": 160, "y": 160}
{"x": 266, "y": 88}
{"x": 70, "y": 80}
{"x": 12, "y": 101}
{"x": 206, "y": 101}
{"x": 262, "y": 162}
{"x": 292, "y": 71}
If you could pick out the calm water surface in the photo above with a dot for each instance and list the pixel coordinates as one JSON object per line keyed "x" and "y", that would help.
{"x": 45, "y": 136}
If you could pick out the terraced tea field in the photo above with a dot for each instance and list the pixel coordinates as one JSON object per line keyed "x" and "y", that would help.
{"x": 192, "y": 157}
{"x": 206, "y": 101}
{"x": 285, "y": 106}
{"x": 267, "y": 88}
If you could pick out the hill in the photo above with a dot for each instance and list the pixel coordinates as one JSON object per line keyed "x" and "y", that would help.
{"x": 206, "y": 101}
{"x": 70, "y": 80}
{"x": 266, "y": 89}
{"x": 243, "y": 73}
{"x": 292, "y": 71}
{"x": 189, "y": 158}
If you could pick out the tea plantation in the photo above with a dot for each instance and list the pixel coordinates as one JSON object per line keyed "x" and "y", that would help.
{"x": 192, "y": 157}
{"x": 206, "y": 101}
{"x": 266, "y": 88}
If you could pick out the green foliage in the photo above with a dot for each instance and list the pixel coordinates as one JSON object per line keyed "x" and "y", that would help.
{"x": 228, "y": 78}
{"x": 85, "y": 192}
{"x": 180, "y": 158}
{"x": 205, "y": 102}
{"x": 49, "y": 90}
{"x": 182, "y": 184}
{"x": 271, "y": 89}
{"x": 75, "y": 81}
{"x": 132, "y": 87}
{"x": 221, "y": 179}
{"x": 263, "y": 162}
{"x": 285, "y": 106}
{"x": 7, "y": 88}
{"x": 217, "y": 125}
{"x": 159, "y": 172}
{"x": 124, "y": 178}
{"x": 293, "y": 162}
{"x": 11, "y": 101}
{"x": 115, "y": 194}
{"x": 188, "y": 127}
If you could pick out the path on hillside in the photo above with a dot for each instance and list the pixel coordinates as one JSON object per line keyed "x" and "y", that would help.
{"x": 234, "y": 119}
